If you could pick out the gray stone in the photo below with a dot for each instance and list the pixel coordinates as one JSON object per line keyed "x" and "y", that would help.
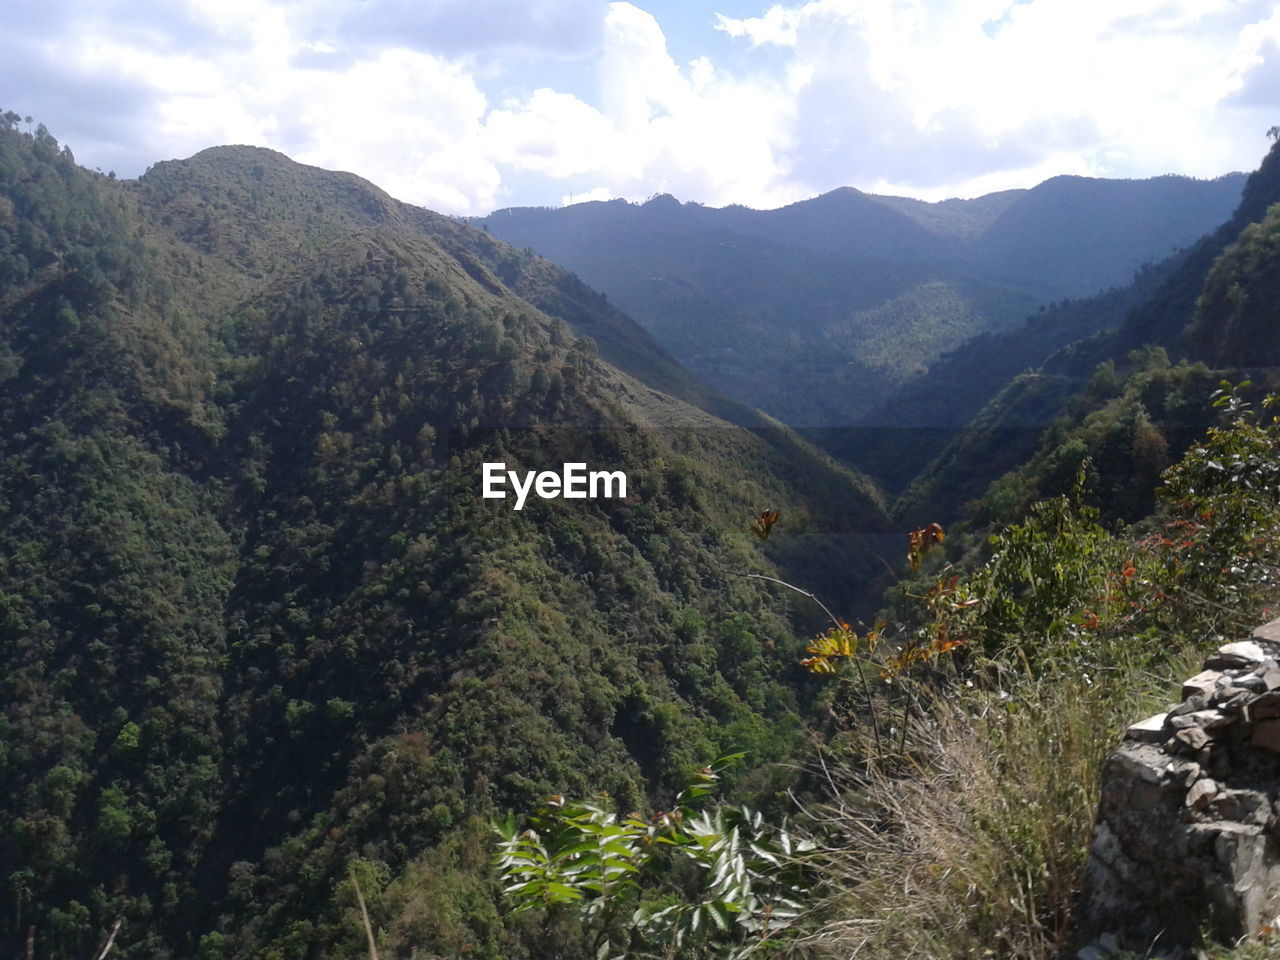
{"x": 1248, "y": 807}
{"x": 1194, "y": 738}
{"x": 1266, "y": 735}
{"x": 1206, "y": 719}
{"x": 1201, "y": 793}
{"x": 1242, "y": 653}
{"x": 1233, "y": 699}
{"x": 1192, "y": 704}
{"x": 1251, "y": 682}
{"x": 1184, "y": 846}
{"x": 1201, "y": 684}
{"x": 1150, "y": 730}
{"x": 1268, "y": 633}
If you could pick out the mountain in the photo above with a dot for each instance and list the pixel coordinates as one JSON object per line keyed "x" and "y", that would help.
{"x": 933, "y": 406}
{"x": 261, "y": 631}
{"x": 854, "y": 295}
{"x": 1136, "y": 378}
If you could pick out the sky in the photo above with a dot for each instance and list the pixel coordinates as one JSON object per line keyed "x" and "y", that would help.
{"x": 465, "y": 106}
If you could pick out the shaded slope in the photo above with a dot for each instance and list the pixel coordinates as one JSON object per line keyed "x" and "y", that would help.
{"x": 1077, "y": 235}
{"x": 259, "y": 626}
{"x": 1233, "y": 331}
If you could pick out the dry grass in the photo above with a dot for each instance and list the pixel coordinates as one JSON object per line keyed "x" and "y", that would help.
{"x": 977, "y": 849}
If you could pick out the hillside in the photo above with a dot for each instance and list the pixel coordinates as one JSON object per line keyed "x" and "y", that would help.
{"x": 854, "y": 295}
{"x": 1187, "y": 323}
{"x": 260, "y": 628}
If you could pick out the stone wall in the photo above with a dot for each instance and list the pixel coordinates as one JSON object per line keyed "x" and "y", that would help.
{"x": 1188, "y": 823}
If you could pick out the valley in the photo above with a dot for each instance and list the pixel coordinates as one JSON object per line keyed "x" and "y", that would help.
{"x": 335, "y": 531}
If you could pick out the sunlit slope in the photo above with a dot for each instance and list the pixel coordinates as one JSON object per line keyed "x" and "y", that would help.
{"x": 259, "y": 623}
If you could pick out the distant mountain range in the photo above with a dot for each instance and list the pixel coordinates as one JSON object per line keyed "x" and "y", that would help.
{"x": 1103, "y": 373}
{"x": 815, "y": 311}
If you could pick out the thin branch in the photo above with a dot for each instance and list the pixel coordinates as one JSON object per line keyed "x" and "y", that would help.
{"x": 888, "y": 566}
{"x": 106, "y": 947}
{"x": 794, "y": 588}
{"x": 368, "y": 927}
{"x": 866, "y": 687}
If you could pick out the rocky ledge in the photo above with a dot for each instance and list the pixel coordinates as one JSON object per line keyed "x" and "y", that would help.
{"x": 1187, "y": 838}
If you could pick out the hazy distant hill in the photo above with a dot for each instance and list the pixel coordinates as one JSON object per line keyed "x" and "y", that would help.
{"x": 1089, "y": 369}
{"x": 258, "y": 626}
{"x": 814, "y": 311}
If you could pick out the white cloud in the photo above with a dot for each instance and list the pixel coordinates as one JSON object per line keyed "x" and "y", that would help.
{"x": 595, "y": 194}
{"x": 659, "y": 127}
{"x": 1255, "y": 64}
{"x": 432, "y": 100}
{"x": 943, "y": 98}
{"x": 777, "y": 26}
{"x": 551, "y": 133}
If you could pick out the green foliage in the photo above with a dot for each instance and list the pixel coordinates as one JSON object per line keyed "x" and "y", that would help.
{"x": 258, "y": 624}
{"x": 1225, "y": 508}
{"x": 687, "y": 882}
{"x": 976, "y": 843}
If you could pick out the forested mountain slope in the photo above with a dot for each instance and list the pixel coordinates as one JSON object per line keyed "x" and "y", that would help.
{"x": 910, "y": 423}
{"x": 851, "y": 294}
{"x": 1135, "y": 391}
{"x": 258, "y": 627}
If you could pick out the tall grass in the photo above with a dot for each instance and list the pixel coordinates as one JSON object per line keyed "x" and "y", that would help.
{"x": 977, "y": 847}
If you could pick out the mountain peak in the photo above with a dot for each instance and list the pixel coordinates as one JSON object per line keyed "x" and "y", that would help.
{"x": 662, "y": 201}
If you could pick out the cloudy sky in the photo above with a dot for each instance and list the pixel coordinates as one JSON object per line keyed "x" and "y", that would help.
{"x": 469, "y": 105}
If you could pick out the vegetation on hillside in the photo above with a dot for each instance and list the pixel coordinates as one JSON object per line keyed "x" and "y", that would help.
{"x": 261, "y": 633}
{"x": 271, "y": 667}
{"x": 958, "y": 789}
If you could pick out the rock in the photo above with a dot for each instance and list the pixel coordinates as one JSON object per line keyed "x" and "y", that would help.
{"x": 1219, "y": 765}
{"x": 1187, "y": 837}
{"x": 1201, "y": 684}
{"x": 1150, "y": 730}
{"x": 1252, "y": 683}
{"x": 1244, "y": 806}
{"x": 1232, "y": 699}
{"x": 1265, "y": 706}
{"x": 1268, "y": 633}
{"x": 1201, "y": 794}
{"x": 1266, "y": 735}
{"x": 1192, "y": 704}
{"x": 1206, "y": 719}
{"x": 1242, "y": 653}
{"x": 1193, "y": 737}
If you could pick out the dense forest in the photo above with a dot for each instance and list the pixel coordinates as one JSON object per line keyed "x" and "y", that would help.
{"x": 277, "y": 681}
{"x": 259, "y": 624}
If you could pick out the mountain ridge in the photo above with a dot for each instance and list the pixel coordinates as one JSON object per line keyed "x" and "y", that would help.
{"x": 755, "y": 301}
{"x": 262, "y": 629}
